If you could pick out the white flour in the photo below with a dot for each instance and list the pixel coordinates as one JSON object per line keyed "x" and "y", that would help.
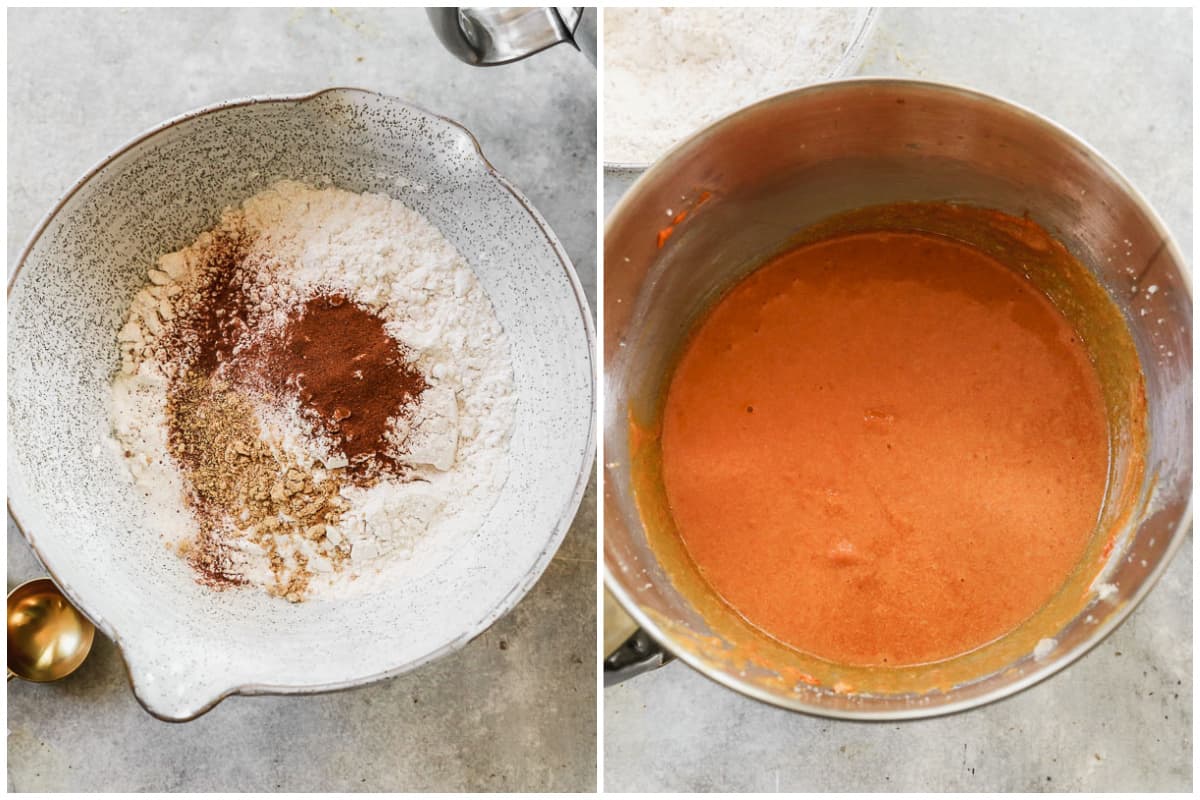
{"x": 668, "y": 72}
{"x": 388, "y": 258}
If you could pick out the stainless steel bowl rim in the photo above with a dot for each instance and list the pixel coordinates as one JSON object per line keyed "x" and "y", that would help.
{"x": 563, "y": 524}
{"x": 1038, "y": 673}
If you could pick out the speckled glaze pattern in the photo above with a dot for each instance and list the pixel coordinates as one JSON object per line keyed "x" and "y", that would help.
{"x": 187, "y": 646}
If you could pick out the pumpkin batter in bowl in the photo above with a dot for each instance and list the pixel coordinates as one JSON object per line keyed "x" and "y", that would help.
{"x": 894, "y": 453}
{"x": 885, "y": 448}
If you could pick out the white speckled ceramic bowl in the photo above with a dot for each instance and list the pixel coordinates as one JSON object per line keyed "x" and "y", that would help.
{"x": 187, "y": 646}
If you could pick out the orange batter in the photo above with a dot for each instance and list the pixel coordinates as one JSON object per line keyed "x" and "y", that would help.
{"x": 885, "y": 448}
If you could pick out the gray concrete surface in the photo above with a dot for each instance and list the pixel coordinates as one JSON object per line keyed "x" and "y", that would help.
{"x": 516, "y": 708}
{"x": 1119, "y": 719}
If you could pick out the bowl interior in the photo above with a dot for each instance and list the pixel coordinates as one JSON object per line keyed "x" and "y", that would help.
{"x": 778, "y": 167}
{"x": 186, "y": 645}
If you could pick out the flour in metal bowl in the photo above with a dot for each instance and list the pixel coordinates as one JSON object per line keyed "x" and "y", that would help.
{"x": 669, "y": 72}
{"x": 315, "y": 387}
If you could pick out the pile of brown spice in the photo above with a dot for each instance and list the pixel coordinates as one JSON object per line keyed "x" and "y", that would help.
{"x": 349, "y": 378}
{"x": 242, "y": 488}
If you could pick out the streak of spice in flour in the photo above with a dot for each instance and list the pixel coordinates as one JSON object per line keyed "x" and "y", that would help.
{"x": 201, "y": 433}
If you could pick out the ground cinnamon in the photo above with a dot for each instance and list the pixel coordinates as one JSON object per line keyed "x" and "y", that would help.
{"x": 350, "y": 377}
{"x": 221, "y": 311}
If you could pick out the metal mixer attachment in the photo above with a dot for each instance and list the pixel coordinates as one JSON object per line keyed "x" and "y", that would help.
{"x": 487, "y": 37}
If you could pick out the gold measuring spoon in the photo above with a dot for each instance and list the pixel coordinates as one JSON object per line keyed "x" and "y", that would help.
{"x": 47, "y": 637}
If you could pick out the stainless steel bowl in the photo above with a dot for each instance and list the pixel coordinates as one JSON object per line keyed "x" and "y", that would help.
{"x": 778, "y": 166}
